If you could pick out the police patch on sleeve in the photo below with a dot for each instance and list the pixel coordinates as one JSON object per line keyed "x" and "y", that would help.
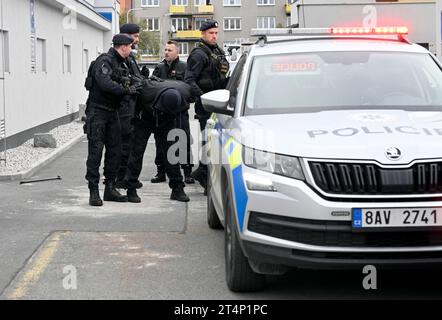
{"x": 104, "y": 69}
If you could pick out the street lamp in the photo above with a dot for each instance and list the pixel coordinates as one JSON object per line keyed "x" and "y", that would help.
{"x": 133, "y": 9}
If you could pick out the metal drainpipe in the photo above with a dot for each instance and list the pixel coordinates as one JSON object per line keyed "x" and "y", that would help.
{"x": 438, "y": 10}
{"x": 3, "y": 158}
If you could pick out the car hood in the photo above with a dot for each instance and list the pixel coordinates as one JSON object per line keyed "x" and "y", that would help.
{"x": 344, "y": 134}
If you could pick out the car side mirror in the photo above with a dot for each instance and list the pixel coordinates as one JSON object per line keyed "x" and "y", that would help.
{"x": 217, "y": 101}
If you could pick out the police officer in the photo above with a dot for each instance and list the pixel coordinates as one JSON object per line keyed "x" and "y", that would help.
{"x": 175, "y": 69}
{"x": 127, "y": 109}
{"x": 207, "y": 68}
{"x": 103, "y": 125}
{"x": 157, "y": 116}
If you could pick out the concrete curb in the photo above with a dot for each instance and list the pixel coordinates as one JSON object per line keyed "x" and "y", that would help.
{"x": 43, "y": 162}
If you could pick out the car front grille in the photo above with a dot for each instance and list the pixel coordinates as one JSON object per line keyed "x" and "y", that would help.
{"x": 337, "y": 233}
{"x": 371, "y": 179}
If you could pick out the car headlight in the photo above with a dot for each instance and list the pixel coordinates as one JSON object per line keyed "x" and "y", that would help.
{"x": 274, "y": 163}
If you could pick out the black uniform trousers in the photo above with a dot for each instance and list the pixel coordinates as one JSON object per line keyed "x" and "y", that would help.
{"x": 126, "y": 113}
{"x": 202, "y": 117}
{"x": 182, "y": 122}
{"x": 142, "y": 130}
{"x": 104, "y": 131}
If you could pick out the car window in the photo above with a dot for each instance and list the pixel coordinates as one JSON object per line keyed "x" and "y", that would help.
{"x": 291, "y": 82}
{"x": 235, "y": 80}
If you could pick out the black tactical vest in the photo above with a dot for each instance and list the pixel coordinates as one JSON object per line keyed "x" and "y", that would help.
{"x": 213, "y": 76}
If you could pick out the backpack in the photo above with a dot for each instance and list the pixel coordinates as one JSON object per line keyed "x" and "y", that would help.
{"x": 89, "y": 81}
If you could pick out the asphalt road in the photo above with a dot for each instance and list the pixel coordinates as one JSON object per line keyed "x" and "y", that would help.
{"x": 54, "y": 246}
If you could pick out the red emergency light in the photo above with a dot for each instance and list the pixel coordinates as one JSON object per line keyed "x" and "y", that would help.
{"x": 369, "y": 31}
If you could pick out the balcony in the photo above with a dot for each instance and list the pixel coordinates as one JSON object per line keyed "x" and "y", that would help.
{"x": 288, "y": 9}
{"x": 188, "y": 34}
{"x": 191, "y": 10}
{"x": 205, "y": 9}
{"x": 178, "y": 9}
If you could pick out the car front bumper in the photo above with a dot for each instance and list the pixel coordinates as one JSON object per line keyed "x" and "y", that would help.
{"x": 295, "y": 226}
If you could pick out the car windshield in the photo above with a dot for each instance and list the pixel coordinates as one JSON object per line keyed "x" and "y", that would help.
{"x": 289, "y": 83}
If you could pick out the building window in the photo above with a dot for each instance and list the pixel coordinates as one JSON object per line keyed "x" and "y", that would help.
{"x": 41, "y": 55}
{"x": 150, "y": 3}
{"x": 153, "y": 24}
{"x": 86, "y": 59}
{"x": 265, "y": 2}
{"x": 67, "y": 62}
{"x": 4, "y": 51}
{"x": 266, "y": 22}
{"x": 203, "y": 2}
{"x": 232, "y": 24}
{"x": 179, "y": 2}
{"x": 231, "y": 3}
{"x": 184, "y": 48}
{"x": 180, "y": 23}
{"x": 199, "y": 22}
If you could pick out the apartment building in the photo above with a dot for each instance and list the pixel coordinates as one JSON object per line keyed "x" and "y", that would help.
{"x": 418, "y": 15}
{"x": 125, "y": 5}
{"x": 180, "y": 19}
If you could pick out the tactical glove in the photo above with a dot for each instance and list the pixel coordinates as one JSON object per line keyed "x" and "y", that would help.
{"x": 132, "y": 90}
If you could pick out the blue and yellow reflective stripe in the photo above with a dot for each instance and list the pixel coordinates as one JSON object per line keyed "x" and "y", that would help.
{"x": 233, "y": 150}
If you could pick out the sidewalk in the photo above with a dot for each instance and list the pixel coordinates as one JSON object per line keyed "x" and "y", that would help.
{"x": 31, "y": 213}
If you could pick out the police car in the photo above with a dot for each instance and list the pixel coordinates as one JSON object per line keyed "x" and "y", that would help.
{"x": 325, "y": 151}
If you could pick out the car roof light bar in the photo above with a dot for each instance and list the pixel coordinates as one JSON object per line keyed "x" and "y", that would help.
{"x": 264, "y": 34}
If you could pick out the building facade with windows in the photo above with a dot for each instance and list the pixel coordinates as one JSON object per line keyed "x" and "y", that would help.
{"x": 180, "y": 20}
{"x": 418, "y": 15}
{"x": 46, "y": 47}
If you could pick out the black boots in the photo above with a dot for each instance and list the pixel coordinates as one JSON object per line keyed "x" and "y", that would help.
{"x": 188, "y": 179}
{"x": 187, "y": 176}
{"x": 122, "y": 184}
{"x": 112, "y": 194}
{"x": 179, "y": 195}
{"x": 94, "y": 198}
{"x": 200, "y": 175}
{"x": 160, "y": 177}
{"x": 132, "y": 196}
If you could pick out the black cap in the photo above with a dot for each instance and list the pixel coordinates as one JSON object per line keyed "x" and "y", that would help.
{"x": 130, "y": 28}
{"x": 209, "y": 24}
{"x": 122, "y": 39}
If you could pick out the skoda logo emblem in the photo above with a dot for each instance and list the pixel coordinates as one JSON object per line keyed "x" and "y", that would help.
{"x": 393, "y": 153}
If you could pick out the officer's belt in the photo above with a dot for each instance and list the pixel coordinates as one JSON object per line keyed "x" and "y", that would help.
{"x": 101, "y": 106}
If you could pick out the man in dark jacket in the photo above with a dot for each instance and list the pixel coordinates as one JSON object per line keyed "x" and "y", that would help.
{"x": 127, "y": 109}
{"x": 160, "y": 103}
{"x": 103, "y": 125}
{"x": 172, "y": 68}
{"x": 207, "y": 68}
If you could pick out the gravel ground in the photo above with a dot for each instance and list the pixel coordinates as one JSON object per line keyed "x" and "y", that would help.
{"x": 26, "y": 156}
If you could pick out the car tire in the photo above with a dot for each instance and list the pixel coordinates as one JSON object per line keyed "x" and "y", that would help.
{"x": 239, "y": 275}
{"x": 212, "y": 217}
